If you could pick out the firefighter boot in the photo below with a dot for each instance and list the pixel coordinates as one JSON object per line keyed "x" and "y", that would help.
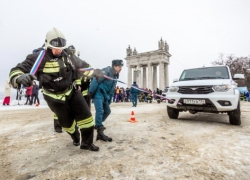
{"x": 57, "y": 126}
{"x": 101, "y": 135}
{"x": 87, "y": 135}
{"x": 76, "y": 137}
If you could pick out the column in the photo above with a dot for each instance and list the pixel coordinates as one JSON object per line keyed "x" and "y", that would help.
{"x": 154, "y": 77}
{"x": 161, "y": 76}
{"x": 134, "y": 75}
{"x": 138, "y": 72}
{"x": 166, "y": 75}
{"x": 129, "y": 80}
{"x": 150, "y": 85}
{"x": 144, "y": 79}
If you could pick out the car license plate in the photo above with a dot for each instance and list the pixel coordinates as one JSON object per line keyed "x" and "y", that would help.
{"x": 194, "y": 101}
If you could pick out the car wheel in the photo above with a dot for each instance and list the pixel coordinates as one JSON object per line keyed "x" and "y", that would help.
{"x": 234, "y": 116}
{"x": 172, "y": 113}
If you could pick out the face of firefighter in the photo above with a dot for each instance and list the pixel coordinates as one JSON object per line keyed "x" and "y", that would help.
{"x": 117, "y": 69}
{"x": 56, "y": 52}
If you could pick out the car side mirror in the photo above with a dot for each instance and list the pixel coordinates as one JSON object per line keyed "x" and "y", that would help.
{"x": 175, "y": 80}
{"x": 238, "y": 76}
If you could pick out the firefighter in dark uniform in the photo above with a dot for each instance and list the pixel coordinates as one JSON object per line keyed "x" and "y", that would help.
{"x": 56, "y": 75}
{"x": 149, "y": 98}
{"x": 140, "y": 96}
{"x": 82, "y": 85}
{"x": 158, "y": 91}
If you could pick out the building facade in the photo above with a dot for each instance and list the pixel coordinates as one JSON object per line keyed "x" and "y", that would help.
{"x": 142, "y": 67}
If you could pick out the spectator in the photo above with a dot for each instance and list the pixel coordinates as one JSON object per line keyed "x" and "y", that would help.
{"x": 28, "y": 95}
{"x": 134, "y": 93}
{"x": 158, "y": 91}
{"x": 154, "y": 96}
{"x": 247, "y": 96}
{"x": 7, "y": 92}
{"x": 128, "y": 94}
{"x": 34, "y": 96}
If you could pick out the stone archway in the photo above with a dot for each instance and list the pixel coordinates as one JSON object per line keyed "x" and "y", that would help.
{"x": 143, "y": 67}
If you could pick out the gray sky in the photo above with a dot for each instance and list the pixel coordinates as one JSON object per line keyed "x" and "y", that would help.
{"x": 196, "y": 31}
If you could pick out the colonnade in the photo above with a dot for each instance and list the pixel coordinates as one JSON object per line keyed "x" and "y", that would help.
{"x": 145, "y": 75}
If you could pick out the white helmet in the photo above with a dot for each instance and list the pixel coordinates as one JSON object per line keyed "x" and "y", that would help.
{"x": 55, "y": 39}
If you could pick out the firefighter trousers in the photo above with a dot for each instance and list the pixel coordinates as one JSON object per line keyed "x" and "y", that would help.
{"x": 73, "y": 111}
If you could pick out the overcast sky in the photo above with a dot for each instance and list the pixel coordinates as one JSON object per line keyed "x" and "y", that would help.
{"x": 196, "y": 30}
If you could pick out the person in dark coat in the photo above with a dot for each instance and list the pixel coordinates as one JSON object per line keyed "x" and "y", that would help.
{"x": 134, "y": 93}
{"x": 34, "y": 96}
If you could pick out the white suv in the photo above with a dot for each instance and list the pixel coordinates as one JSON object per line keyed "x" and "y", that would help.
{"x": 206, "y": 89}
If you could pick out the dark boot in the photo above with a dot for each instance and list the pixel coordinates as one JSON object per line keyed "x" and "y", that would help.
{"x": 87, "y": 135}
{"x": 76, "y": 137}
{"x": 57, "y": 126}
{"x": 101, "y": 135}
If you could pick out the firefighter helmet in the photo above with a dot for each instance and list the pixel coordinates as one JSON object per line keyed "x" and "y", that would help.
{"x": 72, "y": 49}
{"x": 55, "y": 39}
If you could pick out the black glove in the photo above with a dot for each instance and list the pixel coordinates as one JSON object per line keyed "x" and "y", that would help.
{"x": 26, "y": 79}
{"x": 98, "y": 73}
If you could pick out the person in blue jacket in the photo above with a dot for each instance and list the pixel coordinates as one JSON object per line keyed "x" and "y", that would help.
{"x": 134, "y": 93}
{"x": 102, "y": 91}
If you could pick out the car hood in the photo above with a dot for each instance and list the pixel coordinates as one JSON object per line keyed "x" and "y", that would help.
{"x": 203, "y": 82}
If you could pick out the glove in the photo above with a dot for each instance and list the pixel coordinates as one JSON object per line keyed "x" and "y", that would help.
{"x": 98, "y": 74}
{"x": 26, "y": 79}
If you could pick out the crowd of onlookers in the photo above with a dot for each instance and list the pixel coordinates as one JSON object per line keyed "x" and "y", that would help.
{"x": 30, "y": 93}
{"x": 244, "y": 96}
{"x": 123, "y": 95}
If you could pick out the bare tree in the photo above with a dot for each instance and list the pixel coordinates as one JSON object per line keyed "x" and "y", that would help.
{"x": 236, "y": 65}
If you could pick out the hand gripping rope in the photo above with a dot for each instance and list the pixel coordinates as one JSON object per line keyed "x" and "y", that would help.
{"x": 140, "y": 89}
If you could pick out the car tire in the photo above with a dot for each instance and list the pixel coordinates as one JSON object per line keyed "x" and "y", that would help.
{"x": 172, "y": 113}
{"x": 234, "y": 116}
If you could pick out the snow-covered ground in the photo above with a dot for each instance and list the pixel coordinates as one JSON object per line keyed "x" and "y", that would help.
{"x": 199, "y": 146}
{"x": 14, "y": 105}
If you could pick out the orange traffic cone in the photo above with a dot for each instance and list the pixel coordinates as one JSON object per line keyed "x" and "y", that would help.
{"x": 132, "y": 119}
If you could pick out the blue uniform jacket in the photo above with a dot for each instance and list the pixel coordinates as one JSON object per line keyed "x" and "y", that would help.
{"x": 133, "y": 90}
{"x": 104, "y": 88}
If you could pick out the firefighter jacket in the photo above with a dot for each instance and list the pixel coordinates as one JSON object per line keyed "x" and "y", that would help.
{"x": 55, "y": 74}
{"x": 104, "y": 88}
{"x": 149, "y": 97}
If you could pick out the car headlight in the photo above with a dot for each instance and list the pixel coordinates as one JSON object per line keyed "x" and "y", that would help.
{"x": 173, "y": 88}
{"x": 222, "y": 88}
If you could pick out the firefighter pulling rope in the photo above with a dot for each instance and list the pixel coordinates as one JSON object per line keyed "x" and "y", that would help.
{"x": 140, "y": 89}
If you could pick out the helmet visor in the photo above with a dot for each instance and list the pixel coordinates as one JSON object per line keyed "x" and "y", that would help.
{"x": 58, "y": 43}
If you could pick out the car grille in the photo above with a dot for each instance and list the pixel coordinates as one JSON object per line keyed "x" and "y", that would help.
{"x": 195, "y": 90}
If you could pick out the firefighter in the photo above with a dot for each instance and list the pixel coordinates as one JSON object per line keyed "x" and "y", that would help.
{"x": 158, "y": 91}
{"x": 82, "y": 86}
{"x": 134, "y": 93}
{"x": 149, "y": 97}
{"x": 140, "y": 96}
{"x": 102, "y": 90}
{"x": 56, "y": 75}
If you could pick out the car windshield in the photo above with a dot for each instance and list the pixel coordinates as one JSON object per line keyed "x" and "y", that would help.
{"x": 205, "y": 73}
